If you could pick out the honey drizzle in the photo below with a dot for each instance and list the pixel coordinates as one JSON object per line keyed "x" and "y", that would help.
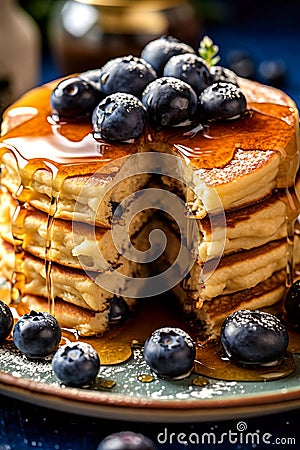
{"x": 55, "y": 193}
{"x": 211, "y": 361}
{"x": 22, "y": 195}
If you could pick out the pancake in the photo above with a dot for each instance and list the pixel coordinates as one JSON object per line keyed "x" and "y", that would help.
{"x": 238, "y": 271}
{"x": 234, "y": 179}
{"x": 249, "y": 177}
{"x": 89, "y": 198}
{"x": 72, "y": 245}
{"x": 70, "y": 285}
{"x": 263, "y": 295}
{"x": 85, "y": 321}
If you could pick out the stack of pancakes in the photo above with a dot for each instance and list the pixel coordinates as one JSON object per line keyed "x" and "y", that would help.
{"x": 61, "y": 194}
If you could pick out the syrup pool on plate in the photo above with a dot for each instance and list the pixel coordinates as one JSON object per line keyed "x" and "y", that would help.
{"x": 117, "y": 344}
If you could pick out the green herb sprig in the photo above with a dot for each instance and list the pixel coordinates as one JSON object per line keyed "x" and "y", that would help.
{"x": 209, "y": 51}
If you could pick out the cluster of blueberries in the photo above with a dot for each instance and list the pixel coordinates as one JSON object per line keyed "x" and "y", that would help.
{"x": 169, "y": 85}
{"x": 248, "y": 337}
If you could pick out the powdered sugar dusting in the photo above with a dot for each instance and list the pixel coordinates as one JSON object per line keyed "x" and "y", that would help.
{"x": 243, "y": 163}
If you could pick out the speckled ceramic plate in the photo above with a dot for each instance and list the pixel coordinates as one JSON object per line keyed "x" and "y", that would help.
{"x": 121, "y": 392}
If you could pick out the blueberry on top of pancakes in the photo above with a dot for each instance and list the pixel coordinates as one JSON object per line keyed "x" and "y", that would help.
{"x": 119, "y": 117}
{"x": 126, "y": 74}
{"x": 159, "y": 51}
{"x": 222, "y": 101}
{"x": 189, "y": 68}
{"x": 74, "y": 98}
{"x": 222, "y": 74}
{"x": 169, "y": 101}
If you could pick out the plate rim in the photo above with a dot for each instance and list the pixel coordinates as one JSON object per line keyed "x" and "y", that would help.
{"x": 137, "y": 414}
{"x": 109, "y": 398}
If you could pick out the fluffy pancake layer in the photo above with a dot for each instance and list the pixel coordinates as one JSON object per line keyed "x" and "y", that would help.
{"x": 265, "y": 294}
{"x": 90, "y": 198}
{"x": 74, "y": 290}
{"x": 72, "y": 244}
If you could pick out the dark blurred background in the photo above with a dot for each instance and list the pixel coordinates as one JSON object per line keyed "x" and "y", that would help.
{"x": 258, "y": 39}
{"x": 43, "y": 39}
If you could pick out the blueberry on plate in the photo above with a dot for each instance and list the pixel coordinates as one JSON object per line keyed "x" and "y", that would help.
{"x": 159, "y": 51}
{"x": 222, "y": 101}
{"x": 222, "y": 74}
{"x": 292, "y": 305}
{"x": 170, "y": 102}
{"x": 76, "y": 364}
{"x": 37, "y": 334}
{"x": 6, "y": 321}
{"x": 74, "y": 98}
{"x": 119, "y": 310}
{"x": 254, "y": 337}
{"x": 126, "y": 440}
{"x": 128, "y": 74}
{"x": 119, "y": 117}
{"x": 170, "y": 352}
{"x": 189, "y": 68}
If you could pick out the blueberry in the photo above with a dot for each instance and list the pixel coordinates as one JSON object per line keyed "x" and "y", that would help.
{"x": 116, "y": 210}
{"x": 170, "y": 101}
{"x": 119, "y": 117}
{"x": 126, "y": 74}
{"x": 37, "y": 334}
{"x": 6, "y": 321}
{"x": 222, "y": 74}
{"x": 170, "y": 352}
{"x": 76, "y": 364}
{"x": 92, "y": 76}
{"x": 159, "y": 51}
{"x": 222, "y": 101}
{"x": 74, "y": 98}
{"x": 189, "y": 68}
{"x": 292, "y": 304}
{"x": 254, "y": 337}
{"x": 126, "y": 440}
{"x": 119, "y": 309}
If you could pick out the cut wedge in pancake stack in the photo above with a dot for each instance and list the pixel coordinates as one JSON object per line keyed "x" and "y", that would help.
{"x": 79, "y": 213}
